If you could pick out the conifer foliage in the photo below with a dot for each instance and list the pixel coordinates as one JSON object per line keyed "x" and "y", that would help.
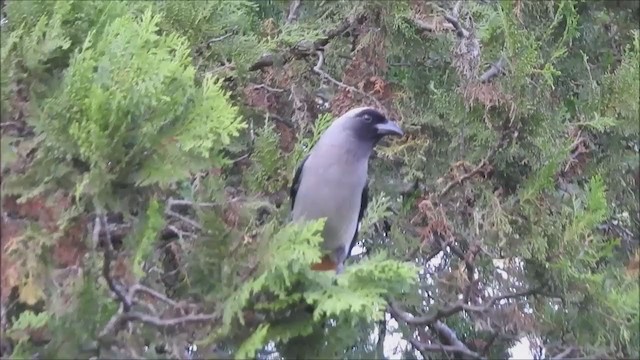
{"x": 147, "y": 150}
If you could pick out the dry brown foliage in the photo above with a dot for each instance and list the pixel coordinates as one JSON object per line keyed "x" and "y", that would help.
{"x": 486, "y": 94}
{"x": 365, "y": 72}
{"x": 68, "y": 243}
{"x": 431, "y": 221}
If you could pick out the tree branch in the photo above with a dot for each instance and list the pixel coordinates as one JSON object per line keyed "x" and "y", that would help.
{"x": 478, "y": 169}
{"x": 305, "y": 47}
{"x": 451, "y": 339}
{"x": 99, "y": 222}
{"x": 460, "y": 31}
{"x": 459, "y": 348}
{"x": 495, "y": 70}
{"x": 167, "y": 323}
{"x": 455, "y": 308}
{"x": 128, "y": 299}
{"x": 220, "y": 38}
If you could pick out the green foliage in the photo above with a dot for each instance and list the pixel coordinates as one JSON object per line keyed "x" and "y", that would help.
{"x": 119, "y": 105}
{"x": 267, "y": 173}
{"x": 359, "y": 294}
{"x": 128, "y": 107}
{"x": 144, "y": 247}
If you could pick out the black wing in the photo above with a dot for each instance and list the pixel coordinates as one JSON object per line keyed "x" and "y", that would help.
{"x": 295, "y": 183}
{"x": 364, "y": 202}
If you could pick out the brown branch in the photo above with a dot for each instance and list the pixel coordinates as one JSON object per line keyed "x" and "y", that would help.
{"x": 128, "y": 299}
{"x": 171, "y": 202}
{"x": 99, "y": 222}
{"x": 170, "y": 212}
{"x": 460, "y": 180}
{"x": 504, "y": 138}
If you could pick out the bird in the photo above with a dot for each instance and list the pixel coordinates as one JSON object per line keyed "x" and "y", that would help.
{"x": 332, "y": 182}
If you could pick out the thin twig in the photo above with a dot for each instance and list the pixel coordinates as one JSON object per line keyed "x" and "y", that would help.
{"x": 172, "y": 202}
{"x": 266, "y": 87}
{"x": 564, "y": 354}
{"x": 478, "y": 169}
{"x": 141, "y": 288}
{"x": 318, "y": 70}
{"x": 101, "y": 221}
{"x": 220, "y": 38}
{"x": 267, "y": 60}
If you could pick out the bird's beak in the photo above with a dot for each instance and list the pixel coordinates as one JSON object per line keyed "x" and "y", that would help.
{"x": 389, "y": 128}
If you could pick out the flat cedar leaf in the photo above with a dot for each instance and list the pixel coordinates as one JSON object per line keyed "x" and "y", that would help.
{"x": 30, "y": 320}
{"x": 30, "y": 292}
{"x": 154, "y": 224}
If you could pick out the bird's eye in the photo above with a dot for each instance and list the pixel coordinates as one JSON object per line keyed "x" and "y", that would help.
{"x": 367, "y": 119}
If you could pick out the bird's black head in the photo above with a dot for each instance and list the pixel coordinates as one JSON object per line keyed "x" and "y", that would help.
{"x": 370, "y": 125}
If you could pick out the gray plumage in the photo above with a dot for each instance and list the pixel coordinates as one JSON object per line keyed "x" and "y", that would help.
{"x": 332, "y": 180}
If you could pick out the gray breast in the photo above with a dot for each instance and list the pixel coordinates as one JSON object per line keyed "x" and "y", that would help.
{"x": 331, "y": 189}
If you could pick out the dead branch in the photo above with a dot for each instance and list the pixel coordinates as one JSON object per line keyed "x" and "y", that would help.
{"x": 172, "y": 202}
{"x": 318, "y": 70}
{"x": 457, "y": 307}
{"x": 424, "y": 348}
{"x": 99, "y": 222}
{"x": 495, "y": 70}
{"x": 167, "y": 323}
{"x": 504, "y": 139}
{"x": 279, "y": 119}
{"x": 141, "y": 288}
{"x": 174, "y": 214}
{"x": 460, "y": 180}
{"x": 427, "y": 26}
{"x": 220, "y": 38}
{"x": 305, "y": 47}
{"x": 128, "y": 298}
{"x": 293, "y": 11}
{"x": 263, "y": 86}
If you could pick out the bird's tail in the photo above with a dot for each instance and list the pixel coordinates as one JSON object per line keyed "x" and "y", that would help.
{"x": 326, "y": 264}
